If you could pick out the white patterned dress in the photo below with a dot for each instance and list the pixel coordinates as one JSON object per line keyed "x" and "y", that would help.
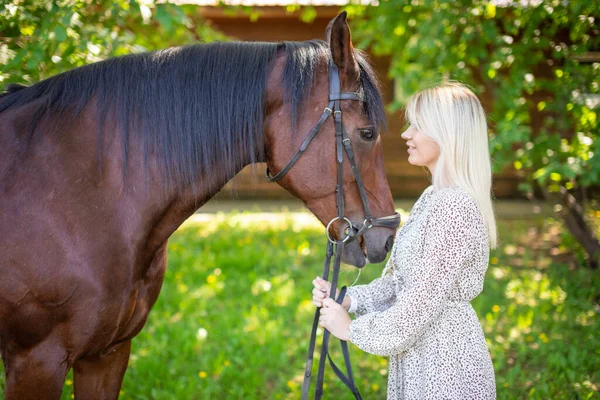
{"x": 419, "y": 312}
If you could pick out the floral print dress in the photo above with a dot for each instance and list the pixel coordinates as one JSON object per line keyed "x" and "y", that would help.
{"x": 419, "y": 312}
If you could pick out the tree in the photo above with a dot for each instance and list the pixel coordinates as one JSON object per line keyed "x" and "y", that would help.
{"x": 39, "y": 39}
{"x": 536, "y": 66}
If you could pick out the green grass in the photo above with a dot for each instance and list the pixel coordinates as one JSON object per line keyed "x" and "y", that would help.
{"x": 233, "y": 318}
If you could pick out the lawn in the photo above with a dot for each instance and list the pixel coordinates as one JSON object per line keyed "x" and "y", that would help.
{"x": 233, "y": 318}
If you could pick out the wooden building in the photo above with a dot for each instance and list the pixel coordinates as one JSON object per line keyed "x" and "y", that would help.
{"x": 277, "y": 22}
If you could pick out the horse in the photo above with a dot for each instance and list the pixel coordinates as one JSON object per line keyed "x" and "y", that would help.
{"x": 101, "y": 164}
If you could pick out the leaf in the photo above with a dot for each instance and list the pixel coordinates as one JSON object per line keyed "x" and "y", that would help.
{"x": 540, "y": 173}
{"x": 308, "y": 14}
{"x": 60, "y": 33}
{"x": 163, "y": 17}
{"x": 490, "y": 10}
{"x": 555, "y": 177}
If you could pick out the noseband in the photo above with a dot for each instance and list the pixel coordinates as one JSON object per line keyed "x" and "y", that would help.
{"x": 351, "y": 232}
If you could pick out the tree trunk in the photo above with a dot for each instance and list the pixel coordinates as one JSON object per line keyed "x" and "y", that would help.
{"x": 573, "y": 215}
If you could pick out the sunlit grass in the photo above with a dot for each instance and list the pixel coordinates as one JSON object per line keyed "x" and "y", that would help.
{"x": 233, "y": 318}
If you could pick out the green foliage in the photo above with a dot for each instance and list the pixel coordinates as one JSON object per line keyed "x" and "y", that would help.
{"x": 234, "y": 315}
{"x": 39, "y": 39}
{"x": 525, "y": 61}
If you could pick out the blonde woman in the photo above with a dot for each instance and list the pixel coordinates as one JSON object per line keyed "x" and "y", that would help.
{"x": 419, "y": 312}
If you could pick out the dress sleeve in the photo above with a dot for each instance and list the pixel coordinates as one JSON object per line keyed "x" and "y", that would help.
{"x": 378, "y": 295}
{"x": 448, "y": 246}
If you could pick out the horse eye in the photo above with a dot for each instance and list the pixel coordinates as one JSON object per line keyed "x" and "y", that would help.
{"x": 367, "y": 134}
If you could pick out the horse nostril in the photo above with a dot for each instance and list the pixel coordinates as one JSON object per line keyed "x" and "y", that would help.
{"x": 389, "y": 243}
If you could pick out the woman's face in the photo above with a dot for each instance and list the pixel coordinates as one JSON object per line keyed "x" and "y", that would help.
{"x": 422, "y": 151}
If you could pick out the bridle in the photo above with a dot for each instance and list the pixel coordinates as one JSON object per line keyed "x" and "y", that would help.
{"x": 351, "y": 233}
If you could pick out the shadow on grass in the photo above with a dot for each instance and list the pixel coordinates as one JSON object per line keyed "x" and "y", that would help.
{"x": 540, "y": 315}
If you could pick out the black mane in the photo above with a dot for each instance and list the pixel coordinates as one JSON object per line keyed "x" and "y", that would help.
{"x": 197, "y": 106}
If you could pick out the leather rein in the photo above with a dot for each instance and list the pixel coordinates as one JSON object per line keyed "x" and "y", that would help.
{"x": 352, "y": 232}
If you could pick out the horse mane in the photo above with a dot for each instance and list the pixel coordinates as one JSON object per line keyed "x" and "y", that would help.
{"x": 12, "y": 88}
{"x": 195, "y": 106}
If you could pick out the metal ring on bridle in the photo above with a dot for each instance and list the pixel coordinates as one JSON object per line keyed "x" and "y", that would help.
{"x": 370, "y": 224}
{"x": 331, "y": 222}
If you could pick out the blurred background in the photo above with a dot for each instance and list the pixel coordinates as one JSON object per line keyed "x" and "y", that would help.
{"x": 234, "y": 315}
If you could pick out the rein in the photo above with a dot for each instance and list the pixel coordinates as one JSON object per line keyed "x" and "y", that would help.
{"x": 336, "y": 247}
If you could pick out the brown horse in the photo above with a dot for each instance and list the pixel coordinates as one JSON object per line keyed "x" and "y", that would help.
{"x": 101, "y": 164}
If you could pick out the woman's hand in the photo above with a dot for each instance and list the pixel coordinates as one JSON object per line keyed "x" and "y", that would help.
{"x": 335, "y": 319}
{"x": 321, "y": 292}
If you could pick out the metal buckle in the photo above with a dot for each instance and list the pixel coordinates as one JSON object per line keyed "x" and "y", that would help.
{"x": 337, "y": 112}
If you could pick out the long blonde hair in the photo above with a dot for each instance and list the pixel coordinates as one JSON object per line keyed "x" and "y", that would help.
{"x": 452, "y": 116}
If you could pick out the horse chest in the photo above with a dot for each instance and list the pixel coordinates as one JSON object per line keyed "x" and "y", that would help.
{"x": 141, "y": 299}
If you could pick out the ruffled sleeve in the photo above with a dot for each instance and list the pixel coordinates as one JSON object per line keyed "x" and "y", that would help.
{"x": 448, "y": 246}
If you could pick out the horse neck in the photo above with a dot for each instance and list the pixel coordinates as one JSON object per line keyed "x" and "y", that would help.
{"x": 183, "y": 203}
{"x": 167, "y": 212}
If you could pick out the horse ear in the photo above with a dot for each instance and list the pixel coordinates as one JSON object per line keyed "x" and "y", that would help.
{"x": 337, "y": 34}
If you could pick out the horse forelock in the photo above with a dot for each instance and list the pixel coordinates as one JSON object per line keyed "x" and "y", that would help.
{"x": 305, "y": 60}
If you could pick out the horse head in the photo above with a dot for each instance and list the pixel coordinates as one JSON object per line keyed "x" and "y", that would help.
{"x": 342, "y": 107}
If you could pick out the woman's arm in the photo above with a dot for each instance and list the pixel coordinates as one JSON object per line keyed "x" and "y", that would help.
{"x": 449, "y": 245}
{"x": 378, "y": 295}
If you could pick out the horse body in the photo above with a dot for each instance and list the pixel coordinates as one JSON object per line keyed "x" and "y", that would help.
{"x": 103, "y": 240}
{"x": 86, "y": 216}
{"x": 60, "y": 214}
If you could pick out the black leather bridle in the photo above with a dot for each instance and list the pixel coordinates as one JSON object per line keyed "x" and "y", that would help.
{"x": 392, "y": 221}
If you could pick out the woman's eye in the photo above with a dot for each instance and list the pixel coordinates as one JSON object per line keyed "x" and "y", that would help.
{"x": 367, "y": 134}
